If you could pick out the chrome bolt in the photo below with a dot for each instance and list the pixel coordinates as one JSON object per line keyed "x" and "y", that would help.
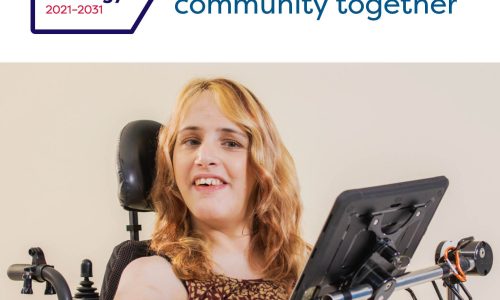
{"x": 482, "y": 253}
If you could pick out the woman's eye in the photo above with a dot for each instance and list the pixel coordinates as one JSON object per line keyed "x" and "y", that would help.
{"x": 191, "y": 142}
{"x": 232, "y": 144}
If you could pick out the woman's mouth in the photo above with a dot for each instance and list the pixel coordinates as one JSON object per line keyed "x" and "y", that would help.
{"x": 208, "y": 184}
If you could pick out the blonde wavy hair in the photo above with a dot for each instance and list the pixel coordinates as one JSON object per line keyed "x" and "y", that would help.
{"x": 274, "y": 202}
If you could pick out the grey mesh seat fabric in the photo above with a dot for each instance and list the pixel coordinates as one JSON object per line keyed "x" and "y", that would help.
{"x": 122, "y": 255}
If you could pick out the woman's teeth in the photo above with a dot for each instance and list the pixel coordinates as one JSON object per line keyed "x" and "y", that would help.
{"x": 208, "y": 181}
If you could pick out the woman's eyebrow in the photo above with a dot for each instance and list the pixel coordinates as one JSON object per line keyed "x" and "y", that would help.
{"x": 230, "y": 130}
{"x": 223, "y": 129}
{"x": 190, "y": 128}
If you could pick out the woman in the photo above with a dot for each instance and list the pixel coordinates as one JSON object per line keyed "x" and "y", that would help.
{"x": 227, "y": 202}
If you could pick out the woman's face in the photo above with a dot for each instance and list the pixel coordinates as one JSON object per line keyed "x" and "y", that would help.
{"x": 211, "y": 166}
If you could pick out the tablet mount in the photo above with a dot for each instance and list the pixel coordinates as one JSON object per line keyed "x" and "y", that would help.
{"x": 369, "y": 238}
{"x": 385, "y": 262}
{"x": 470, "y": 256}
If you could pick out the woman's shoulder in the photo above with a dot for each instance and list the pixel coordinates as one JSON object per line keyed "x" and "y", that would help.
{"x": 150, "y": 277}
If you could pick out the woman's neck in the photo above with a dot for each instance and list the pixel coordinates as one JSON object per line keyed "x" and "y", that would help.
{"x": 235, "y": 237}
{"x": 230, "y": 250}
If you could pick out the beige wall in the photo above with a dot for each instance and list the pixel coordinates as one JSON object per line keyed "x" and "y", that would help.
{"x": 347, "y": 126}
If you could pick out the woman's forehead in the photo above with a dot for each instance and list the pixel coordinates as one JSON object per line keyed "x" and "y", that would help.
{"x": 203, "y": 113}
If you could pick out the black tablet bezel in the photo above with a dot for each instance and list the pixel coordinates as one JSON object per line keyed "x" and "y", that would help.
{"x": 345, "y": 241}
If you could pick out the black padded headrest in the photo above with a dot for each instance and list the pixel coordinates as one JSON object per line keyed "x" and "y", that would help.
{"x": 136, "y": 164}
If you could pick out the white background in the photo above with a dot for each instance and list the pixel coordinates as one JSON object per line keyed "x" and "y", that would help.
{"x": 416, "y": 120}
{"x": 469, "y": 34}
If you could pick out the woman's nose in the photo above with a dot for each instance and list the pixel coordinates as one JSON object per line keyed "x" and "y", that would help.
{"x": 206, "y": 156}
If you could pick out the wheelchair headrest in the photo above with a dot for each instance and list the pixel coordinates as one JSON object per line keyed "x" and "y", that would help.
{"x": 136, "y": 164}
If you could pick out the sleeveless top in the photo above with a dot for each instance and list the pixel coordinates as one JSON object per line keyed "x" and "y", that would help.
{"x": 223, "y": 287}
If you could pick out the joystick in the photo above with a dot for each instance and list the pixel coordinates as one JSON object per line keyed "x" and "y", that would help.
{"x": 86, "y": 291}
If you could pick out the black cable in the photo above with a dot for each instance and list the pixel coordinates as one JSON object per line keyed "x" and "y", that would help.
{"x": 437, "y": 290}
{"x": 411, "y": 293}
{"x": 465, "y": 290}
{"x": 453, "y": 290}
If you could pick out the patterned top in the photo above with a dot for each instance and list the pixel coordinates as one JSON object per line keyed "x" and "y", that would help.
{"x": 223, "y": 287}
